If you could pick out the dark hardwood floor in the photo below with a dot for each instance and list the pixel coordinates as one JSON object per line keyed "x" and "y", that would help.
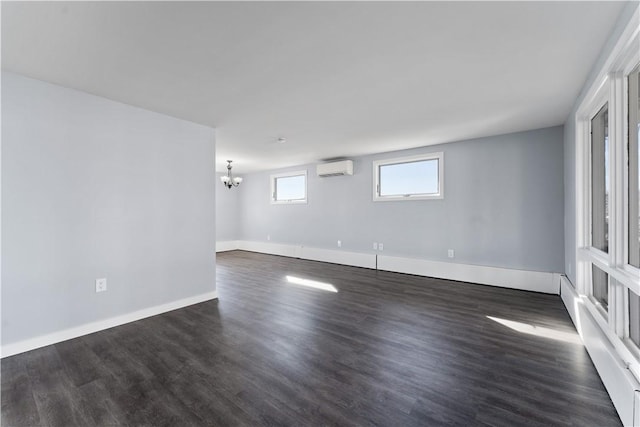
{"x": 387, "y": 349}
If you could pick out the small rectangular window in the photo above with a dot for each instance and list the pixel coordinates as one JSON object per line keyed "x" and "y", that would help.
{"x": 634, "y": 171}
{"x": 600, "y": 287}
{"x": 600, "y": 180}
{"x": 289, "y": 187}
{"x": 409, "y": 178}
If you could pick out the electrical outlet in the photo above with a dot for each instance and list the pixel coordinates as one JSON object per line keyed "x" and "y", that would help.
{"x": 101, "y": 285}
{"x": 450, "y": 253}
{"x": 380, "y": 246}
{"x": 375, "y": 246}
{"x": 339, "y": 243}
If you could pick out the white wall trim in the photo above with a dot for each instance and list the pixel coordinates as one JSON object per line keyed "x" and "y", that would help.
{"x": 495, "y": 276}
{"x": 228, "y": 245}
{"x": 616, "y": 377}
{"x": 503, "y": 277}
{"x": 355, "y": 259}
{"x": 100, "y": 325}
{"x": 281, "y": 249}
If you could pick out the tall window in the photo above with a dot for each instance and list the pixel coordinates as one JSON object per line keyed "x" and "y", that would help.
{"x": 600, "y": 291}
{"x": 600, "y": 180}
{"x": 607, "y": 200}
{"x": 634, "y": 171}
{"x": 600, "y": 202}
{"x": 634, "y": 318}
{"x": 409, "y": 178}
{"x": 634, "y": 197}
{"x": 289, "y": 187}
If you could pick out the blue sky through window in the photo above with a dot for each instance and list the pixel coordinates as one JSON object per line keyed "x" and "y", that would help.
{"x": 291, "y": 188}
{"x": 419, "y": 177}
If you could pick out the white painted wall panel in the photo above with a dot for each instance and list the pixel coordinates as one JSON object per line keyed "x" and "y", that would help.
{"x": 93, "y": 188}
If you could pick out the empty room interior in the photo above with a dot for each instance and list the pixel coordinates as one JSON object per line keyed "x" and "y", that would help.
{"x": 320, "y": 213}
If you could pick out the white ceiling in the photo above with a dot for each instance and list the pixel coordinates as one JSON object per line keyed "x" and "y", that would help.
{"x": 335, "y": 78}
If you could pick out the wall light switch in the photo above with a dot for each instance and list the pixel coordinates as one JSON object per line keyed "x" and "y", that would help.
{"x": 450, "y": 253}
{"x": 380, "y": 246}
{"x": 339, "y": 243}
{"x": 268, "y": 236}
{"x": 375, "y": 246}
{"x": 101, "y": 285}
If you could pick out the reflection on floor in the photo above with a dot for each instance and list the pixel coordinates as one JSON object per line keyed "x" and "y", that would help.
{"x": 539, "y": 331}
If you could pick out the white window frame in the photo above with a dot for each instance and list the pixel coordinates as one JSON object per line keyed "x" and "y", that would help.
{"x": 610, "y": 87}
{"x": 439, "y": 156}
{"x": 273, "y": 179}
{"x": 631, "y": 269}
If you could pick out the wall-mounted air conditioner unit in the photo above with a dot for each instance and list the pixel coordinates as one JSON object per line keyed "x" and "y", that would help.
{"x": 343, "y": 167}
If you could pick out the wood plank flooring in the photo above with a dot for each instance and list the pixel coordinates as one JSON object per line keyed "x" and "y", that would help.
{"x": 386, "y": 349}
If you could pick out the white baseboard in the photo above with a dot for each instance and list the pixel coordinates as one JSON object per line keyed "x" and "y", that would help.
{"x": 100, "y": 325}
{"x": 355, "y": 259}
{"x": 617, "y": 379}
{"x": 503, "y": 277}
{"x": 292, "y": 251}
{"x": 229, "y": 245}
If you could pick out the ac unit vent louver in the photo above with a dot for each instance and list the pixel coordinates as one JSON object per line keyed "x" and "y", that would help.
{"x": 343, "y": 167}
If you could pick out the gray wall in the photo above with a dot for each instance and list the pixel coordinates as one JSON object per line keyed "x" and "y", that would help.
{"x": 93, "y": 188}
{"x": 503, "y": 207}
{"x": 570, "y": 141}
{"x": 227, "y": 211}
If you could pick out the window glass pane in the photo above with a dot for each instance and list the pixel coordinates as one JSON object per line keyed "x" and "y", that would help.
{"x": 600, "y": 180}
{"x": 290, "y": 188}
{"x": 401, "y": 179}
{"x": 634, "y": 318}
{"x": 600, "y": 281}
{"x": 634, "y": 171}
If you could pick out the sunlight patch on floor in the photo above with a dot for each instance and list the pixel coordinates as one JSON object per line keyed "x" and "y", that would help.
{"x": 539, "y": 331}
{"x": 311, "y": 284}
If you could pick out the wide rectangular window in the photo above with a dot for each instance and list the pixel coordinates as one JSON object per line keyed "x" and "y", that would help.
{"x": 600, "y": 180}
{"x": 409, "y": 178}
{"x": 289, "y": 187}
{"x": 634, "y": 171}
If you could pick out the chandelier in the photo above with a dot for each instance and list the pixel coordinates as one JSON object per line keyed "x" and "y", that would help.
{"x": 228, "y": 180}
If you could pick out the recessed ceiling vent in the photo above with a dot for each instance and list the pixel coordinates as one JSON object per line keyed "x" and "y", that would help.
{"x": 343, "y": 167}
